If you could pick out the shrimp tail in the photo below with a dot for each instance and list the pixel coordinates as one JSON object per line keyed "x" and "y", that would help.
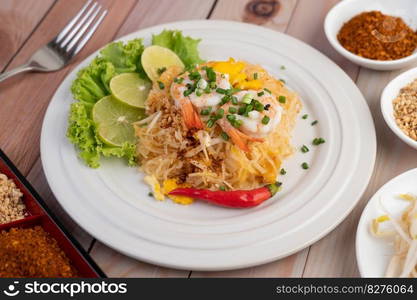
{"x": 238, "y": 138}
{"x": 189, "y": 115}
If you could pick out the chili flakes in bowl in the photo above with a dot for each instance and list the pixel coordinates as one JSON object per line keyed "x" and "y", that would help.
{"x": 377, "y": 36}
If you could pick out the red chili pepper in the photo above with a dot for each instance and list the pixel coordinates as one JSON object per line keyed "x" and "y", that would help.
{"x": 239, "y": 198}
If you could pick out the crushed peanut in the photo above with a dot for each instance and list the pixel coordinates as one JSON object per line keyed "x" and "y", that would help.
{"x": 11, "y": 206}
{"x": 405, "y": 110}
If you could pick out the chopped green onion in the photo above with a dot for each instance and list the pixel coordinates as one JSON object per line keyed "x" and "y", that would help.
{"x": 248, "y": 109}
{"x": 247, "y": 99}
{"x": 282, "y": 99}
{"x": 188, "y": 92}
{"x": 206, "y": 111}
{"x": 225, "y": 99}
{"x": 255, "y": 76}
{"x": 222, "y": 188}
{"x": 225, "y": 136}
{"x": 283, "y": 172}
{"x": 232, "y": 110}
{"x": 235, "y": 101}
{"x": 282, "y": 67}
{"x": 304, "y": 149}
{"x": 195, "y": 75}
{"x": 267, "y": 90}
{"x": 198, "y": 92}
{"x": 221, "y": 91}
{"x": 241, "y": 110}
{"x": 304, "y": 116}
{"x": 207, "y": 90}
{"x": 178, "y": 79}
{"x": 237, "y": 123}
{"x": 213, "y": 85}
{"x": 210, "y": 123}
{"x": 314, "y": 123}
{"x": 282, "y": 80}
{"x": 318, "y": 141}
{"x": 211, "y": 75}
{"x": 305, "y": 166}
{"x": 258, "y": 106}
{"x": 231, "y": 118}
{"x": 161, "y": 70}
{"x": 265, "y": 120}
{"x": 161, "y": 85}
{"x": 261, "y": 94}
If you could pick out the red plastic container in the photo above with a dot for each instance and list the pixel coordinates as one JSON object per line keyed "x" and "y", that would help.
{"x": 39, "y": 214}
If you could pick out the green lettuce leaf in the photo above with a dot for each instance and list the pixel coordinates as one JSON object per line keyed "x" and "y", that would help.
{"x": 92, "y": 84}
{"x": 124, "y": 57}
{"x": 184, "y": 46}
{"x": 82, "y": 132}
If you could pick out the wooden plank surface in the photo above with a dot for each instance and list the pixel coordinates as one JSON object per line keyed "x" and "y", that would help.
{"x": 19, "y": 18}
{"x": 28, "y": 24}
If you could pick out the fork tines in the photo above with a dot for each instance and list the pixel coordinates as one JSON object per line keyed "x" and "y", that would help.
{"x": 79, "y": 29}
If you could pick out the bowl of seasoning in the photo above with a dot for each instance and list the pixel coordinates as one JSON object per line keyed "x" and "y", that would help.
{"x": 376, "y": 34}
{"x": 399, "y": 106}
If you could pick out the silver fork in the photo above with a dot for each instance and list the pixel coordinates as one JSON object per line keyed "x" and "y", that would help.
{"x": 58, "y": 52}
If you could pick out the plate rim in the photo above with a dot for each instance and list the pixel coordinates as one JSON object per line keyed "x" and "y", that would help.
{"x": 353, "y": 87}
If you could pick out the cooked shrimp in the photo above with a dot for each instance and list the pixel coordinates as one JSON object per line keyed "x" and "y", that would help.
{"x": 252, "y": 127}
{"x": 189, "y": 103}
{"x": 252, "y": 124}
{"x": 189, "y": 114}
{"x": 239, "y": 138}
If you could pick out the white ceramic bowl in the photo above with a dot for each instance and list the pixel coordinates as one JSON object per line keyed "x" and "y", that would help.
{"x": 389, "y": 93}
{"x": 345, "y": 10}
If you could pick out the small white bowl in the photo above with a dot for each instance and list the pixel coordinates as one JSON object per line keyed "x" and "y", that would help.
{"x": 347, "y": 9}
{"x": 389, "y": 93}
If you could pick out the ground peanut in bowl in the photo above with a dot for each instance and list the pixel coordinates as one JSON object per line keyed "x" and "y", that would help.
{"x": 405, "y": 109}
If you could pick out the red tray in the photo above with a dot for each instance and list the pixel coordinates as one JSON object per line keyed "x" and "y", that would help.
{"x": 39, "y": 214}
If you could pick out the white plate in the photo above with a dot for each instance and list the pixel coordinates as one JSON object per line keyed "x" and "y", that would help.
{"x": 111, "y": 203}
{"x": 373, "y": 254}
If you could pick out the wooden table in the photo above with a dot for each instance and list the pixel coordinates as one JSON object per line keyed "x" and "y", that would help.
{"x": 28, "y": 24}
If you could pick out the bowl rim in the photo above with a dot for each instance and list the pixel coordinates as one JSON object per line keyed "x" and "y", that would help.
{"x": 329, "y": 21}
{"x": 385, "y": 101}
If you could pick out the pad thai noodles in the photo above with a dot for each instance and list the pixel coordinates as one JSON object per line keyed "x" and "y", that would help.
{"x": 222, "y": 125}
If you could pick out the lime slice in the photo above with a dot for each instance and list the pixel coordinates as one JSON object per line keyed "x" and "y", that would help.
{"x": 130, "y": 89}
{"x": 114, "y": 120}
{"x": 156, "y": 58}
